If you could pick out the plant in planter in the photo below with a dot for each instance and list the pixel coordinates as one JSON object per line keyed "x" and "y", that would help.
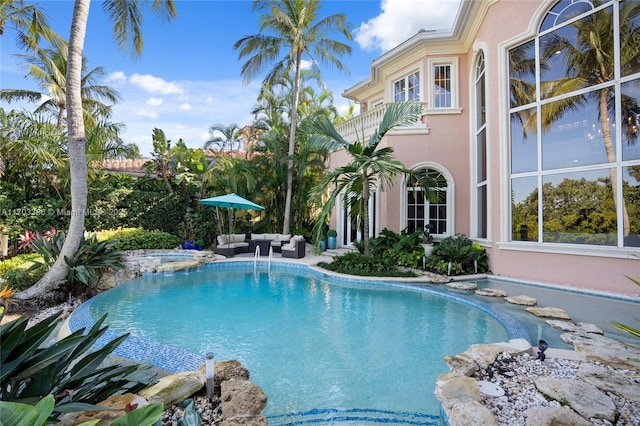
{"x": 188, "y": 232}
{"x": 332, "y": 234}
{"x": 427, "y": 240}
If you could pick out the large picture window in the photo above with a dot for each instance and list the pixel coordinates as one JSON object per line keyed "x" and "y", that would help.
{"x": 575, "y": 155}
{"x": 480, "y": 151}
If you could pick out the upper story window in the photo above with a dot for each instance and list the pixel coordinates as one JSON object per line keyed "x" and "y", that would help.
{"x": 407, "y": 88}
{"x": 443, "y": 80}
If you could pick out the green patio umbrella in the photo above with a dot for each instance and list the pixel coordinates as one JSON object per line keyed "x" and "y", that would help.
{"x": 232, "y": 202}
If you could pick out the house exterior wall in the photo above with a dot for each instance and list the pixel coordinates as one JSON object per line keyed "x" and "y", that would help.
{"x": 494, "y": 27}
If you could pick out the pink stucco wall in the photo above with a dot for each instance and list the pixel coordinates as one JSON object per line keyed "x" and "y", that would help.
{"x": 449, "y": 145}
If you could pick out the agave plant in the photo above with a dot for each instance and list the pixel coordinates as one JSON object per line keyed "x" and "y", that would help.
{"x": 68, "y": 369}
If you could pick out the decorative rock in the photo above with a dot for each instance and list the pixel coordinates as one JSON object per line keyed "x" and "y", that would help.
{"x": 610, "y": 380}
{"x": 491, "y": 292}
{"x": 569, "y": 326}
{"x": 174, "y": 388}
{"x": 583, "y": 397}
{"x": 485, "y": 354}
{"x": 245, "y": 421}
{"x": 490, "y": 389}
{"x": 462, "y": 285}
{"x": 243, "y": 399}
{"x": 116, "y": 402}
{"x": 604, "y": 349}
{"x": 453, "y": 389}
{"x": 522, "y": 300}
{"x": 461, "y": 364}
{"x": 226, "y": 370}
{"x": 560, "y": 416}
{"x": 549, "y": 312}
{"x": 471, "y": 413}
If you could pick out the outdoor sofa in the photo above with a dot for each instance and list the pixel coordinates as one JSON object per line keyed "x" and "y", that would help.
{"x": 295, "y": 249}
{"x": 229, "y": 245}
{"x": 277, "y": 240}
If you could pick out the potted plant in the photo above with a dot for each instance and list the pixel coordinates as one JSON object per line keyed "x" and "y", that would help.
{"x": 332, "y": 234}
{"x": 427, "y": 240}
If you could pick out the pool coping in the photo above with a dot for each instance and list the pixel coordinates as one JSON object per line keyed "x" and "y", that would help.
{"x": 174, "y": 359}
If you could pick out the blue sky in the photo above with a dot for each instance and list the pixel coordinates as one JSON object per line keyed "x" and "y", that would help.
{"x": 188, "y": 77}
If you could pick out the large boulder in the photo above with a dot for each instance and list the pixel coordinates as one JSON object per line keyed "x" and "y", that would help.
{"x": 242, "y": 399}
{"x": 603, "y": 349}
{"x": 584, "y": 398}
{"x": 175, "y": 388}
{"x": 550, "y": 416}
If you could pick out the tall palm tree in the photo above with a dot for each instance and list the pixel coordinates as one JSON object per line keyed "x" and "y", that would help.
{"x": 371, "y": 165}
{"x": 289, "y": 26}
{"x": 127, "y": 20}
{"x": 230, "y": 140}
{"x": 588, "y": 63}
{"x": 48, "y": 67}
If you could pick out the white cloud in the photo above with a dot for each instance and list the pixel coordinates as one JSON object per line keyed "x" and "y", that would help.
{"x": 154, "y": 101}
{"x": 401, "y": 19}
{"x": 155, "y": 84}
{"x": 305, "y": 65}
{"x": 185, "y": 107}
{"x": 146, "y": 113}
{"x": 117, "y": 77}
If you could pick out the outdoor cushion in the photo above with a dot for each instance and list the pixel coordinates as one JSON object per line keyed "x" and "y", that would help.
{"x": 258, "y": 237}
{"x": 235, "y": 238}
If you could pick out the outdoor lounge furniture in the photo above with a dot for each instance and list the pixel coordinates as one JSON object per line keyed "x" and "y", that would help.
{"x": 229, "y": 245}
{"x": 277, "y": 240}
{"x": 295, "y": 249}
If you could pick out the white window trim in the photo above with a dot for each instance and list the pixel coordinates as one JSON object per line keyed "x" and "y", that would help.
{"x": 455, "y": 86}
{"x": 479, "y": 47}
{"x": 376, "y": 103}
{"x": 451, "y": 189}
{"x": 389, "y": 91}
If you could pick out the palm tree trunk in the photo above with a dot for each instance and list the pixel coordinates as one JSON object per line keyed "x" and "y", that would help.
{"x": 292, "y": 147}
{"x": 365, "y": 213}
{"x": 78, "y": 164}
{"x": 611, "y": 158}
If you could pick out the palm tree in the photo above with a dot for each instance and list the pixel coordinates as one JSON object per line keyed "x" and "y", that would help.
{"x": 48, "y": 67}
{"x": 588, "y": 62}
{"x": 231, "y": 137}
{"x": 370, "y": 164}
{"x": 289, "y": 25}
{"x": 127, "y": 20}
{"x": 28, "y": 22}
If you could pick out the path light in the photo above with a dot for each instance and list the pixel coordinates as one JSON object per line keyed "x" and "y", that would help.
{"x": 542, "y": 345}
{"x": 209, "y": 374}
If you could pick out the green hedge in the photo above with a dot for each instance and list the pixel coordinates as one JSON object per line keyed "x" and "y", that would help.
{"x": 138, "y": 238}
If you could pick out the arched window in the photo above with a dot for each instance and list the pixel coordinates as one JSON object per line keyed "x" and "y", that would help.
{"x": 480, "y": 150}
{"x": 432, "y": 210}
{"x": 574, "y": 148}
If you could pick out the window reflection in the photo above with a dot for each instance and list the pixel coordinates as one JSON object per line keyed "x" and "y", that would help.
{"x": 563, "y": 11}
{"x": 524, "y": 209}
{"x": 629, "y": 35}
{"x": 631, "y": 120}
{"x": 524, "y": 146}
{"x": 631, "y": 196}
{"x": 579, "y": 208}
{"x": 522, "y": 78}
{"x": 576, "y": 137}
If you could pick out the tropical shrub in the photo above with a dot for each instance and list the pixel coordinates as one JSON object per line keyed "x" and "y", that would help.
{"x": 627, "y": 328}
{"x": 17, "y": 261}
{"x": 359, "y": 264}
{"x": 16, "y": 413}
{"x": 92, "y": 258}
{"x": 404, "y": 249}
{"x": 68, "y": 369}
{"x": 463, "y": 254}
{"x": 21, "y": 279}
{"x": 138, "y": 238}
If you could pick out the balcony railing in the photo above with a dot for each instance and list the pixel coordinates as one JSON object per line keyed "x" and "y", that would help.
{"x": 362, "y": 126}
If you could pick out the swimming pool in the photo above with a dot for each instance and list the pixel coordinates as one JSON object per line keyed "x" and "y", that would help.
{"x": 324, "y": 349}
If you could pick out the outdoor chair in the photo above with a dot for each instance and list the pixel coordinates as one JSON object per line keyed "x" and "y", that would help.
{"x": 295, "y": 249}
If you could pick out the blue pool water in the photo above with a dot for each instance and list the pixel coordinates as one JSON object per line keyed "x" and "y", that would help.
{"x": 324, "y": 350}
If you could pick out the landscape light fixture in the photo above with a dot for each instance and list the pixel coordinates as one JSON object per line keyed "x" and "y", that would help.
{"x": 209, "y": 374}
{"x": 542, "y": 346}
{"x": 4, "y": 244}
